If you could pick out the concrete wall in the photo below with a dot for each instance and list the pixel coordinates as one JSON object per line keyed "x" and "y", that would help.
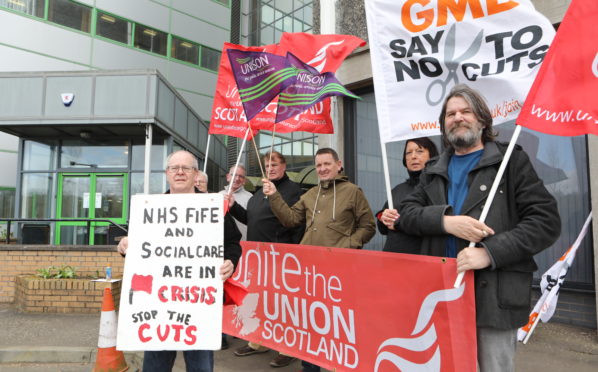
{"x": 31, "y": 44}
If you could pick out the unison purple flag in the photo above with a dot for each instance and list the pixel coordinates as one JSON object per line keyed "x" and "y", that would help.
{"x": 309, "y": 88}
{"x": 260, "y": 77}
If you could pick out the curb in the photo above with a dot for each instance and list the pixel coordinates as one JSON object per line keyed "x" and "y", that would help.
{"x": 60, "y": 354}
{"x": 46, "y": 354}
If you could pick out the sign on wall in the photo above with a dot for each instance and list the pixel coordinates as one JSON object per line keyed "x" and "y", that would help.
{"x": 172, "y": 292}
{"x": 353, "y": 310}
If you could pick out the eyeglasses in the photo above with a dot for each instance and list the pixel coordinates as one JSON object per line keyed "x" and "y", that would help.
{"x": 175, "y": 169}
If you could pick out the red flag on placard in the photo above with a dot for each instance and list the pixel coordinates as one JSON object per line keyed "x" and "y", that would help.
{"x": 562, "y": 100}
{"x": 325, "y": 53}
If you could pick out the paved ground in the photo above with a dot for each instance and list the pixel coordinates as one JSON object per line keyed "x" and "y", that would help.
{"x": 67, "y": 343}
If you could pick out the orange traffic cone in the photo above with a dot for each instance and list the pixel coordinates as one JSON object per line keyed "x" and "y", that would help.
{"x": 109, "y": 359}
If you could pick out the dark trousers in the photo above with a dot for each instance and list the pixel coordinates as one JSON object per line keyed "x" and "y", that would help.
{"x": 163, "y": 361}
{"x": 308, "y": 367}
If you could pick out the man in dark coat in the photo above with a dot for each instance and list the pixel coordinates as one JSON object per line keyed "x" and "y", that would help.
{"x": 263, "y": 226}
{"x": 181, "y": 172}
{"x": 524, "y": 220}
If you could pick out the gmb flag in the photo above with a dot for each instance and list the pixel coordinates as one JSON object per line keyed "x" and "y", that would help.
{"x": 562, "y": 100}
{"x": 260, "y": 77}
{"x": 421, "y": 49}
{"x": 309, "y": 88}
{"x": 550, "y": 284}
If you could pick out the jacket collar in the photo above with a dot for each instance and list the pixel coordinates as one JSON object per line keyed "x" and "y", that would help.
{"x": 281, "y": 180}
{"x": 339, "y": 178}
{"x": 491, "y": 155}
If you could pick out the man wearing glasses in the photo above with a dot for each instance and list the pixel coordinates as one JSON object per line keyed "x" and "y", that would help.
{"x": 239, "y": 193}
{"x": 181, "y": 172}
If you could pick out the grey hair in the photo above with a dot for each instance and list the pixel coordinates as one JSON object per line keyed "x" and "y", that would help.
{"x": 238, "y": 166}
{"x": 479, "y": 107}
{"x": 195, "y": 162}
{"x": 202, "y": 173}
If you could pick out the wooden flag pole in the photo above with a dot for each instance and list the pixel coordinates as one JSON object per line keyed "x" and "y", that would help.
{"x": 230, "y": 189}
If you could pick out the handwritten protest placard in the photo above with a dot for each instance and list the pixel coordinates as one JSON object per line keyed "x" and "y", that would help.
{"x": 172, "y": 291}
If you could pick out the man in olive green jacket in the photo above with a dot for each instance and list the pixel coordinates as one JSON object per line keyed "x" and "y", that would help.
{"x": 336, "y": 212}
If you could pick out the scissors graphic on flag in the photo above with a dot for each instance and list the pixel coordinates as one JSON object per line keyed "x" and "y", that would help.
{"x": 451, "y": 64}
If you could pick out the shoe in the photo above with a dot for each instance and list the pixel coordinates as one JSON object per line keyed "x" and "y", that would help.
{"x": 246, "y": 350}
{"x": 281, "y": 361}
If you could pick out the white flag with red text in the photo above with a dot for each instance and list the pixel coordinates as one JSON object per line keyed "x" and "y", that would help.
{"x": 551, "y": 283}
{"x": 421, "y": 49}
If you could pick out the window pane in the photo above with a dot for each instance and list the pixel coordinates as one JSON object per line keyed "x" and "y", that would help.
{"x": 185, "y": 50}
{"x": 70, "y": 14}
{"x": 109, "y": 192}
{"x": 158, "y": 183}
{"x": 99, "y": 154}
{"x": 33, "y": 7}
{"x": 113, "y": 28}
{"x": 158, "y": 157}
{"x": 38, "y": 156}
{"x": 36, "y": 195}
{"x": 151, "y": 40}
{"x": 7, "y": 202}
{"x": 210, "y": 58}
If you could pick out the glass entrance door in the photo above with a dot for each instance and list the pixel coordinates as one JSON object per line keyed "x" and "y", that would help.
{"x": 90, "y": 196}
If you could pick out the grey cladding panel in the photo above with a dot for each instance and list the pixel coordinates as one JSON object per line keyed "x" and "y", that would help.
{"x": 165, "y": 104}
{"x": 121, "y": 96}
{"x": 180, "y": 119}
{"x": 21, "y": 97}
{"x": 81, "y": 87}
{"x": 193, "y": 130}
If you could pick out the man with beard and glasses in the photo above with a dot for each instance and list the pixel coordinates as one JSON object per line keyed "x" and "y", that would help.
{"x": 445, "y": 207}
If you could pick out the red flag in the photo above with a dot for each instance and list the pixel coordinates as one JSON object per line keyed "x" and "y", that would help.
{"x": 142, "y": 283}
{"x": 562, "y": 100}
{"x": 325, "y": 53}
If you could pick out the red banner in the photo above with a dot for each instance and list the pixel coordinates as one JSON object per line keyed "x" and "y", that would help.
{"x": 562, "y": 100}
{"x": 354, "y": 310}
{"x": 325, "y": 51}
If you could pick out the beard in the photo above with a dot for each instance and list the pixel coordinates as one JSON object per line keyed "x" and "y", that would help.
{"x": 465, "y": 140}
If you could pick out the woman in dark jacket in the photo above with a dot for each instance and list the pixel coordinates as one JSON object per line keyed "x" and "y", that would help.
{"x": 415, "y": 155}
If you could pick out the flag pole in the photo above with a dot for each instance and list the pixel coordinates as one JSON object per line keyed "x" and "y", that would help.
{"x": 501, "y": 171}
{"x": 257, "y": 152}
{"x": 386, "y": 175}
{"x": 529, "y": 334}
{"x": 272, "y": 143}
{"x": 205, "y": 160}
{"x": 230, "y": 189}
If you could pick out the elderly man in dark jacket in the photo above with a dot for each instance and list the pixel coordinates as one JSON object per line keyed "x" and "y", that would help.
{"x": 181, "y": 172}
{"x": 523, "y": 221}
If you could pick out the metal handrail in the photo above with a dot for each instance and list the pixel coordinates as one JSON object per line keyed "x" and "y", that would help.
{"x": 88, "y": 220}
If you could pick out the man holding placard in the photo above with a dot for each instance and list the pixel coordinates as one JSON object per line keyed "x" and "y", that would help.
{"x": 178, "y": 252}
{"x": 523, "y": 220}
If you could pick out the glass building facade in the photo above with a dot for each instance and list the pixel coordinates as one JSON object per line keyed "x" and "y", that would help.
{"x": 266, "y": 21}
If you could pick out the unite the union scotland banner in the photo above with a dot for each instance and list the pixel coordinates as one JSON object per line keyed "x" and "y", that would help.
{"x": 354, "y": 310}
{"x": 421, "y": 49}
